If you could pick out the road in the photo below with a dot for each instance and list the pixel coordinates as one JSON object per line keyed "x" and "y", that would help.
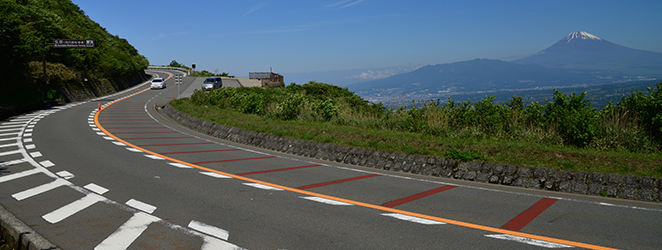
{"x": 126, "y": 177}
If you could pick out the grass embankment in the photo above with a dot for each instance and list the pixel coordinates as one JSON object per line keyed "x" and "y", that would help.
{"x": 518, "y": 152}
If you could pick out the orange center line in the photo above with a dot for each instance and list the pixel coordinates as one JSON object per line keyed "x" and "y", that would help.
{"x": 358, "y": 203}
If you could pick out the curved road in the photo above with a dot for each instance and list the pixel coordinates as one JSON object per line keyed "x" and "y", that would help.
{"x": 126, "y": 177}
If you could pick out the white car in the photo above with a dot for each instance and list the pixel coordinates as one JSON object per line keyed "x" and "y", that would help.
{"x": 158, "y": 83}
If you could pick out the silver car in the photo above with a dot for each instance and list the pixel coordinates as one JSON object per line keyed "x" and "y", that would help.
{"x": 158, "y": 83}
{"x": 212, "y": 83}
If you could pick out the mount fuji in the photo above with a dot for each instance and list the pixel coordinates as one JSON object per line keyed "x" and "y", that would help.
{"x": 581, "y": 50}
{"x": 579, "y": 59}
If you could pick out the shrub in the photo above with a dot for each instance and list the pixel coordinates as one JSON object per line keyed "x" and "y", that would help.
{"x": 574, "y": 118}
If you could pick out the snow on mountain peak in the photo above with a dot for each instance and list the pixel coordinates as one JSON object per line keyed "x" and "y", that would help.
{"x": 581, "y": 35}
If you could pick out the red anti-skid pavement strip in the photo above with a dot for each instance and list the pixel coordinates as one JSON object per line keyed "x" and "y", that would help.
{"x": 280, "y": 169}
{"x": 173, "y": 144}
{"x": 528, "y": 215}
{"x": 201, "y": 151}
{"x": 242, "y": 159}
{"x": 338, "y": 181}
{"x": 418, "y": 196}
{"x": 159, "y": 138}
{"x": 358, "y": 203}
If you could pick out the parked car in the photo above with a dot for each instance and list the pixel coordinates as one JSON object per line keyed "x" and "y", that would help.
{"x": 158, "y": 83}
{"x": 212, "y": 83}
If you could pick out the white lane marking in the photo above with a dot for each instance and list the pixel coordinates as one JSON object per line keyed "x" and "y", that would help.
{"x": 40, "y": 189}
{"x": 65, "y": 174}
{"x": 134, "y": 150}
{"x": 47, "y": 163}
{"x": 30, "y": 146}
{"x": 413, "y": 219}
{"x": 108, "y": 138}
{"x": 153, "y": 157}
{"x": 10, "y": 129}
{"x": 179, "y": 165}
{"x": 101, "y": 133}
{"x": 14, "y": 123}
{"x": 96, "y": 129}
{"x": 27, "y": 134}
{"x": 31, "y": 126}
{"x": 96, "y": 188}
{"x": 11, "y": 139}
{"x": 13, "y": 126}
{"x": 27, "y": 140}
{"x": 29, "y": 130}
{"x": 607, "y": 204}
{"x": 6, "y": 134}
{"x": 325, "y": 201}
{"x": 128, "y": 232}
{"x": 211, "y": 243}
{"x": 8, "y": 145}
{"x": 119, "y": 143}
{"x": 211, "y": 230}
{"x": 36, "y": 154}
{"x": 534, "y": 242}
{"x": 93, "y": 126}
{"x": 262, "y": 186}
{"x": 14, "y": 162}
{"x": 147, "y": 208}
{"x": 215, "y": 175}
{"x": 10, "y": 152}
{"x": 72, "y": 208}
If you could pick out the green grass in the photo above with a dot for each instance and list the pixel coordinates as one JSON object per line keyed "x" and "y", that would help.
{"x": 495, "y": 151}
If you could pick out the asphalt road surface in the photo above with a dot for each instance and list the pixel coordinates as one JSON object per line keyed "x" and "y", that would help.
{"x": 125, "y": 177}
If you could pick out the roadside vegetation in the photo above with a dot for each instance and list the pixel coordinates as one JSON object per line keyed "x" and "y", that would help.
{"x": 26, "y": 24}
{"x": 563, "y": 133}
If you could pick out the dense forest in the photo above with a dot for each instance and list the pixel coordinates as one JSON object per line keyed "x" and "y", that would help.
{"x": 26, "y": 24}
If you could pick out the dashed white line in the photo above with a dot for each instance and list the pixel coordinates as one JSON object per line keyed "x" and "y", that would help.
{"x": 211, "y": 230}
{"x": 134, "y": 150}
{"x": 40, "y": 189}
{"x": 30, "y": 146}
{"x": 108, "y": 138}
{"x": 215, "y": 175}
{"x": 36, "y": 154}
{"x": 153, "y": 157}
{"x": 27, "y": 140}
{"x": 128, "y": 232}
{"x": 72, "y": 208}
{"x": 413, "y": 219}
{"x": 262, "y": 186}
{"x": 325, "y": 201}
{"x": 96, "y": 188}
{"x": 119, "y": 143}
{"x": 534, "y": 242}
{"x": 47, "y": 163}
{"x": 65, "y": 174}
{"x": 179, "y": 165}
{"x": 27, "y": 134}
{"x": 147, "y": 208}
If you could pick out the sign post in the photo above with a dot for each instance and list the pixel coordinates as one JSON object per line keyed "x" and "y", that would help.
{"x": 63, "y": 44}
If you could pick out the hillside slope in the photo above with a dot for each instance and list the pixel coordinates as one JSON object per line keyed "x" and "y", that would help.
{"x": 73, "y": 74}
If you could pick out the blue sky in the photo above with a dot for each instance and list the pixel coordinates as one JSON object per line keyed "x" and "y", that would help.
{"x": 294, "y": 36}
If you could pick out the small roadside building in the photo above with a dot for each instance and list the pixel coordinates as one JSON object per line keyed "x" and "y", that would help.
{"x": 268, "y": 78}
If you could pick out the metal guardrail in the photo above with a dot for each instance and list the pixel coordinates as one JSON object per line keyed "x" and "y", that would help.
{"x": 170, "y": 68}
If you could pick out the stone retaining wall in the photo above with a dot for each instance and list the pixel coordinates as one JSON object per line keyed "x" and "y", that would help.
{"x": 579, "y": 182}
